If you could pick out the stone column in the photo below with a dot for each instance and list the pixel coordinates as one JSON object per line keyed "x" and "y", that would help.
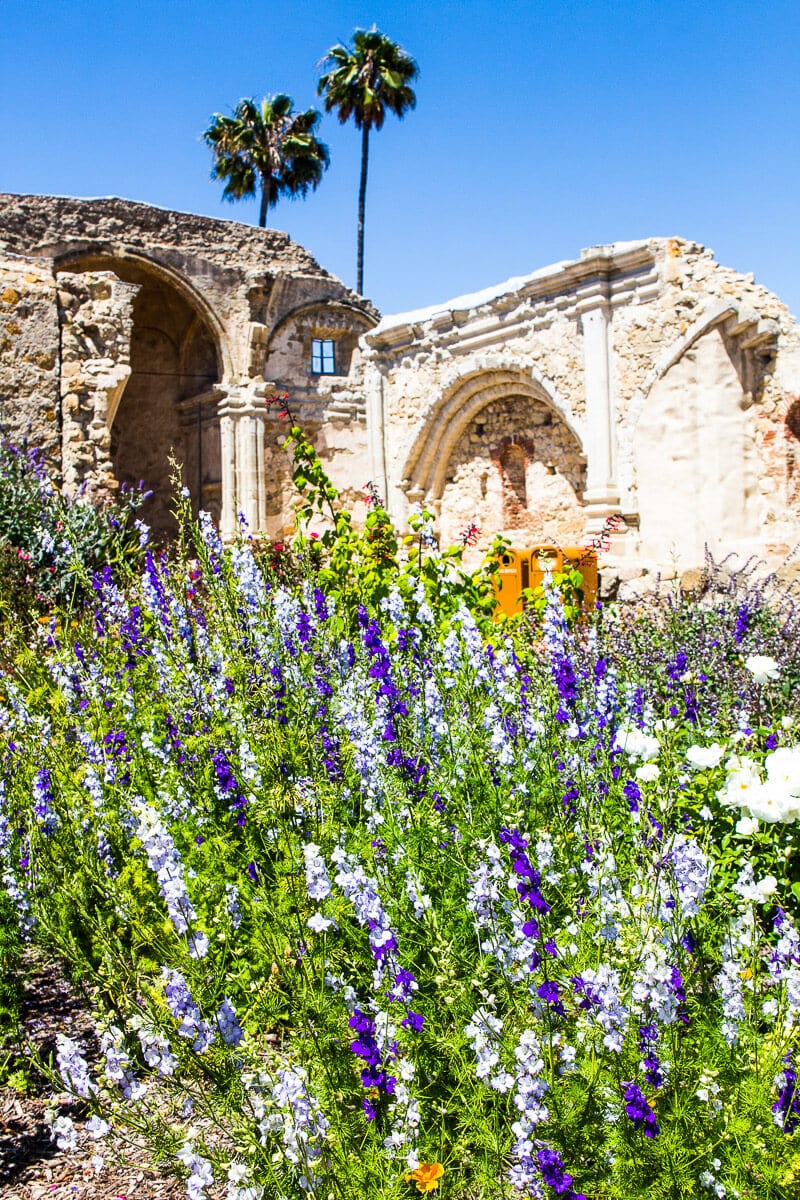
{"x": 242, "y": 413}
{"x": 227, "y": 441}
{"x": 376, "y": 435}
{"x": 602, "y": 490}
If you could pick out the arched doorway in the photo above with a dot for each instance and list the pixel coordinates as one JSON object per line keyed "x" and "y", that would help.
{"x": 168, "y": 408}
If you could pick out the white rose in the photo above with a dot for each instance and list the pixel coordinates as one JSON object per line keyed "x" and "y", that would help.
{"x": 704, "y": 757}
{"x": 767, "y": 886}
{"x": 743, "y": 776}
{"x": 636, "y": 743}
{"x": 762, "y": 668}
{"x": 783, "y": 768}
{"x": 767, "y": 802}
{"x": 648, "y": 772}
{"x": 746, "y": 826}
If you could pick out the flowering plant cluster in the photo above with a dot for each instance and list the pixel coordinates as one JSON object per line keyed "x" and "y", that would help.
{"x": 50, "y": 544}
{"x": 370, "y": 902}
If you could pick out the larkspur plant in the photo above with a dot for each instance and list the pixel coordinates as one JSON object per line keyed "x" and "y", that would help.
{"x": 49, "y": 543}
{"x": 370, "y": 900}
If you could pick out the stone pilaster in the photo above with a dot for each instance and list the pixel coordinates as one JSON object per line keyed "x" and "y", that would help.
{"x": 242, "y": 417}
{"x": 376, "y": 434}
{"x": 96, "y": 318}
{"x": 602, "y": 490}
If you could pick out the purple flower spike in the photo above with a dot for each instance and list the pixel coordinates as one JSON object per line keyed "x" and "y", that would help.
{"x": 639, "y": 1111}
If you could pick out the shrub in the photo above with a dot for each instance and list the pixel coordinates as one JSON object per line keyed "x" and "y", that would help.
{"x": 50, "y": 544}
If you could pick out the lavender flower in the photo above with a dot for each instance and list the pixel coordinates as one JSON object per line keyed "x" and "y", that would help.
{"x": 375, "y": 1074}
{"x": 43, "y": 801}
{"x": 530, "y": 1090}
{"x": 201, "y": 1173}
{"x": 304, "y": 1124}
{"x": 165, "y": 861}
{"x": 118, "y": 1063}
{"x": 485, "y": 1032}
{"x": 639, "y": 1111}
{"x": 691, "y": 871}
{"x": 554, "y": 1174}
{"x": 362, "y": 891}
{"x": 228, "y": 1023}
{"x": 73, "y": 1068}
{"x": 64, "y": 1133}
{"x": 185, "y": 1011}
{"x": 318, "y": 883}
{"x": 786, "y": 1109}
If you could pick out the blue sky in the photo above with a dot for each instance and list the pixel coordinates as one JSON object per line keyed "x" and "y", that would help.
{"x": 542, "y": 126}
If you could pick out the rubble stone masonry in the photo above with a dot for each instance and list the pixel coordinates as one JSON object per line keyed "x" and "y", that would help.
{"x": 642, "y": 378}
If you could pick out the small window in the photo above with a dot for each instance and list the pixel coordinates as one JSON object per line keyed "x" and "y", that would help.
{"x": 323, "y": 356}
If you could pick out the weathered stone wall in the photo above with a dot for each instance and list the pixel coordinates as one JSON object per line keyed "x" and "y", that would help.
{"x": 29, "y": 355}
{"x": 517, "y": 470}
{"x": 188, "y": 376}
{"x": 671, "y": 376}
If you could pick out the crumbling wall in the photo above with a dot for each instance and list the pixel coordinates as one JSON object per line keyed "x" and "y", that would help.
{"x": 238, "y": 285}
{"x": 29, "y": 356}
{"x": 96, "y": 319}
{"x": 516, "y": 470}
{"x": 675, "y": 375}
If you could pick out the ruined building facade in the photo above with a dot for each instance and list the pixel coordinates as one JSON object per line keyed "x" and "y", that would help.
{"x": 129, "y": 334}
{"x": 642, "y": 378}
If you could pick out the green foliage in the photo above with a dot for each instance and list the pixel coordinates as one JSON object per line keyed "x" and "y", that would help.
{"x": 360, "y": 567}
{"x": 267, "y": 147}
{"x": 568, "y": 586}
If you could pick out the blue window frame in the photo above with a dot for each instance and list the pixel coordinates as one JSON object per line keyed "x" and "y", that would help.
{"x": 323, "y": 356}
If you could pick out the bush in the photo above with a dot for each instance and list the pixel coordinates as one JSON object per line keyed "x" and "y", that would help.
{"x": 50, "y": 544}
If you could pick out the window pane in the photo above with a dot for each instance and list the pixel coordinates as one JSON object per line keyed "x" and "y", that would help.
{"x": 323, "y": 356}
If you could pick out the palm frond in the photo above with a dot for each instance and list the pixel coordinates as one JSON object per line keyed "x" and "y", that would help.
{"x": 267, "y": 144}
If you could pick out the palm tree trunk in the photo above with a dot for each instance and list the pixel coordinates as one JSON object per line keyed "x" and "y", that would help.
{"x": 266, "y": 196}
{"x": 362, "y": 195}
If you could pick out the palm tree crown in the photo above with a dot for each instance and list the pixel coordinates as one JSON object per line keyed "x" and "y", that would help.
{"x": 364, "y": 82}
{"x": 267, "y": 146}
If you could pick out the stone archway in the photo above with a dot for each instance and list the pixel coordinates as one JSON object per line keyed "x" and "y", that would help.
{"x": 168, "y": 408}
{"x": 516, "y": 469}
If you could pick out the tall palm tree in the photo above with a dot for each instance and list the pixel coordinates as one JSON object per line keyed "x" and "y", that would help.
{"x": 267, "y": 146}
{"x": 363, "y": 82}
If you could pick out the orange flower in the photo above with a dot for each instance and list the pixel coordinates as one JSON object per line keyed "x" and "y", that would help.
{"x": 427, "y": 1176}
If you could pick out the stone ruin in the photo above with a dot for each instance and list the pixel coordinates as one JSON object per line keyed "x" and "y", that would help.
{"x": 130, "y": 334}
{"x": 642, "y": 378}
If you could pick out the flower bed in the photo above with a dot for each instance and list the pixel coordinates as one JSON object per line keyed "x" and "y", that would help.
{"x": 368, "y": 902}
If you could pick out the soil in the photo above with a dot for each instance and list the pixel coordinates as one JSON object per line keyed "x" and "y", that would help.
{"x": 31, "y": 1165}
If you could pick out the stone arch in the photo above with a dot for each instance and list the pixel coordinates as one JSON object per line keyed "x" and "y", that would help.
{"x": 290, "y": 339}
{"x": 130, "y": 267}
{"x": 169, "y": 404}
{"x": 464, "y": 394}
{"x": 499, "y": 453}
